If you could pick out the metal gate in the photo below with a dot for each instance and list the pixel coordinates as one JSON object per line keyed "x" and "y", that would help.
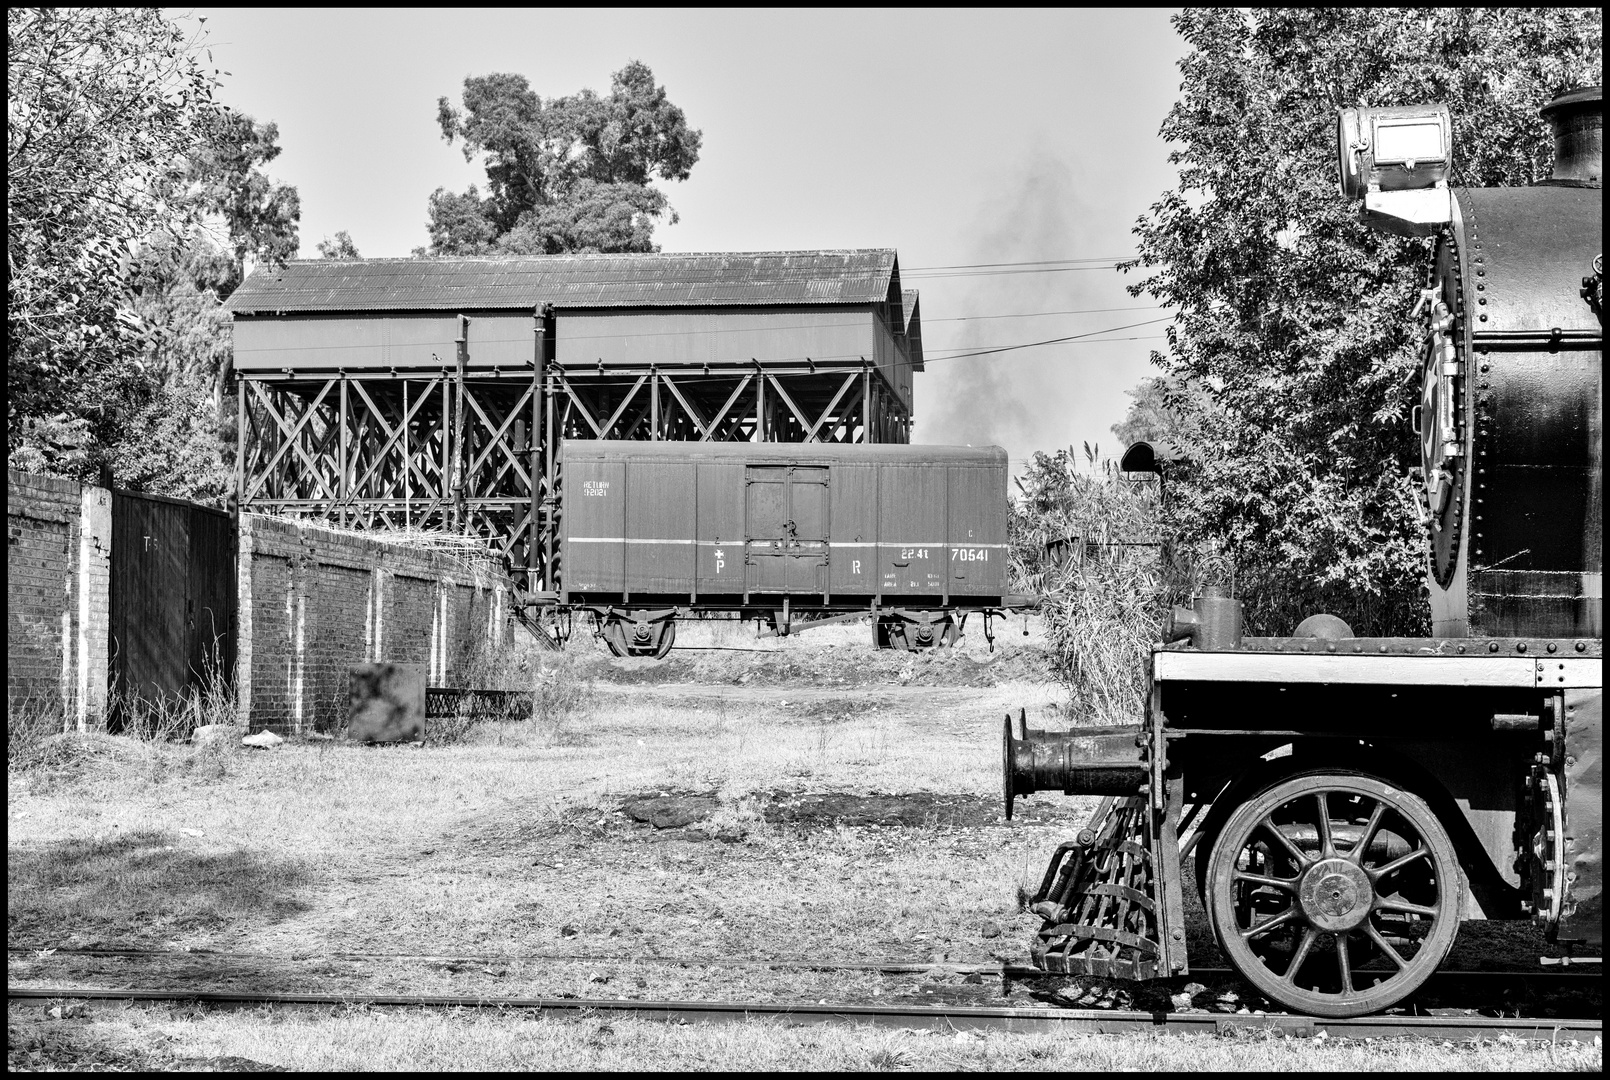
{"x": 172, "y": 602}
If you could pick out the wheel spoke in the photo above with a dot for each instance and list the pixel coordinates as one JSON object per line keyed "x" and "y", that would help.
{"x": 1278, "y": 902}
{"x": 1301, "y": 955}
{"x": 1356, "y": 856}
{"x": 1398, "y": 864}
{"x": 1343, "y": 965}
{"x": 1385, "y": 904}
{"x": 1286, "y": 884}
{"x": 1385, "y": 946}
{"x": 1327, "y": 844}
{"x": 1269, "y": 825}
{"x": 1264, "y": 927}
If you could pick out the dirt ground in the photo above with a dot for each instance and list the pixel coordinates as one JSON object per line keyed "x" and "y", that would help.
{"x": 705, "y": 827}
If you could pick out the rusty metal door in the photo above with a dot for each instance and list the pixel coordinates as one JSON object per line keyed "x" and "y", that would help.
{"x": 786, "y": 521}
{"x": 172, "y": 599}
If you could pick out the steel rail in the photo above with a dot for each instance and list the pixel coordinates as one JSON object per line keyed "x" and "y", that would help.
{"x": 928, "y": 1017}
{"x": 1016, "y": 972}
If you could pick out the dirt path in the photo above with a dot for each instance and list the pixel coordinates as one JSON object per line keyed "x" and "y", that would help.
{"x": 701, "y": 693}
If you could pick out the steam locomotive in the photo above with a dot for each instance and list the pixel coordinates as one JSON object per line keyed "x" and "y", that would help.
{"x": 1349, "y": 800}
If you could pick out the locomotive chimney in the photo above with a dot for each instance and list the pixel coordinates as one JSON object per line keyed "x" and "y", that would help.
{"x": 1577, "y": 117}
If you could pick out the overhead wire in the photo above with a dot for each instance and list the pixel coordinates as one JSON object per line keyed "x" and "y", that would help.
{"x": 1038, "y": 314}
{"x": 1053, "y": 341}
{"x": 1021, "y": 262}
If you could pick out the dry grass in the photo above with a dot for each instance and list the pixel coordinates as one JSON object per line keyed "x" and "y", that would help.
{"x": 30, "y": 728}
{"x": 513, "y": 843}
{"x": 378, "y": 1039}
{"x": 152, "y": 743}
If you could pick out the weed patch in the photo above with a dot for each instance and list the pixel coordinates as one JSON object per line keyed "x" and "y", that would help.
{"x": 31, "y": 725}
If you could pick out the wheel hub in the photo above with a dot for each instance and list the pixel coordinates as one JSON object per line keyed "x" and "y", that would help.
{"x": 1335, "y": 895}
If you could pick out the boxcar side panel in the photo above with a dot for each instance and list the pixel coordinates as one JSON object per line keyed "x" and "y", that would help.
{"x": 853, "y": 555}
{"x": 977, "y": 554}
{"x": 721, "y": 528}
{"x": 595, "y": 526}
{"x": 660, "y": 526}
{"x": 912, "y": 517}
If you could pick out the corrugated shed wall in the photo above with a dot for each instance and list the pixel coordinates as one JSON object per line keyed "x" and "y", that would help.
{"x": 732, "y": 336}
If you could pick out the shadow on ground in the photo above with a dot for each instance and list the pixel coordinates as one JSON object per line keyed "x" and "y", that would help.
{"x": 143, "y": 887}
{"x": 63, "y": 1036}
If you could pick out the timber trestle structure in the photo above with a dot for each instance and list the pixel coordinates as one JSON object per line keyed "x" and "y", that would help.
{"x": 476, "y": 451}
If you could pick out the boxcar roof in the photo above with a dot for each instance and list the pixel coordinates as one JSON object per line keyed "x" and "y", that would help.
{"x": 857, "y": 276}
{"x": 805, "y": 453}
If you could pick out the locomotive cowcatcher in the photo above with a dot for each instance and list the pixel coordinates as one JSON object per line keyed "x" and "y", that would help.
{"x": 1349, "y": 800}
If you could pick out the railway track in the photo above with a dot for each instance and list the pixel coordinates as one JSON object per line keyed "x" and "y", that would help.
{"x": 1582, "y": 975}
{"x": 944, "y": 1018}
{"x": 1444, "y": 1024}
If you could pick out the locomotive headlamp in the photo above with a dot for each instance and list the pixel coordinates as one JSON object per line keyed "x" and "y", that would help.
{"x": 1397, "y": 160}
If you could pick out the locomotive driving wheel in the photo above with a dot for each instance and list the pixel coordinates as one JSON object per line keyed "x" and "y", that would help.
{"x": 1334, "y": 894}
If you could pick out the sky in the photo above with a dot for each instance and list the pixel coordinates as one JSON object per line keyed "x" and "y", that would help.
{"x": 956, "y": 137}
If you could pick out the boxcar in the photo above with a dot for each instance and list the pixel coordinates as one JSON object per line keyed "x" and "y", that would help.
{"x": 914, "y": 536}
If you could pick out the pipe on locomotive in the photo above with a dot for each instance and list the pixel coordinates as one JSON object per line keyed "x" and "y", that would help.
{"x": 1079, "y": 761}
{"x": 1107, "y": 760}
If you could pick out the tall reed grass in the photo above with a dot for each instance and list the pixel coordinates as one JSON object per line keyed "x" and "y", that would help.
{"x": 1089, "y": 541}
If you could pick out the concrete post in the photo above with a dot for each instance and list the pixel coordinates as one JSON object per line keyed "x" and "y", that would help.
{"x": 94, "y": 606}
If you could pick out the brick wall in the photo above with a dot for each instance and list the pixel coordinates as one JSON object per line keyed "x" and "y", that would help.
{"x": 317, "y": 601}
{"x": 313, "y": 602}
{"x": 57, "y": 575}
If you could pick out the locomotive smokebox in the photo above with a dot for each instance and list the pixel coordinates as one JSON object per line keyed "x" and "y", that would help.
{"x": 1577, "y": 118}
{"x": 1079, "y": 761}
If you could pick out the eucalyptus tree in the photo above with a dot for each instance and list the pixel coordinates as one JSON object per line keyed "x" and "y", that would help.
{"x": 563, "y": 174}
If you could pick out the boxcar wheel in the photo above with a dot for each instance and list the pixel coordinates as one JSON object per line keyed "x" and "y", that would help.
{"x": 1334, "y": 894}
{"x": 667, "y": 639}
{"x": 891, "y": 634}
{"x": 614, "y": 635}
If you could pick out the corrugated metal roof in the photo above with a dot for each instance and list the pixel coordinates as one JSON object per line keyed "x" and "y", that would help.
{"x": 576, "y": 281}
{"x": 908, "y": 304}
{"x": 913, "y": 316}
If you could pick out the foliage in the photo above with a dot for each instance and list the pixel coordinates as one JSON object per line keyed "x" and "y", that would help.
{"x": 102, "y": 107}
{"x": 118, "y": 352}
{"x": 1086, "y": 540}
{"x": 341, "y": 247}
{"x": 224, "y": 180}
{"x": 1158, "y": 409}
{"x": 567, "y": 174}
{"x": 1293, "y": 320}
